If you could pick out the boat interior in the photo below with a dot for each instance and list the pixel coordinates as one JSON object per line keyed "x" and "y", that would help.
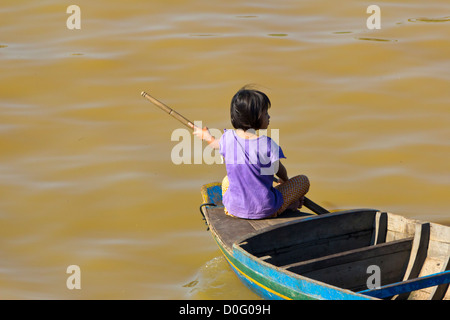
{"x": 344, "y": 249}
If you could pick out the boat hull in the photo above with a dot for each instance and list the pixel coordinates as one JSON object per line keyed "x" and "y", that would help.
{"x": 271, "y": 284}
{"x": 304, "y": 256}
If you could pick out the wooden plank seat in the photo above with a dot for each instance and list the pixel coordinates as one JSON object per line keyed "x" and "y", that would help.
{"x": 348, "y": 269}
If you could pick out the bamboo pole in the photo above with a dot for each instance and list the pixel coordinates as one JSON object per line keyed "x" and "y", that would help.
{"x": 168, "y": 110}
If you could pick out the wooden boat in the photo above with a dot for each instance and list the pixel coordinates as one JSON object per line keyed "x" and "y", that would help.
{"x": 333, "y": 256}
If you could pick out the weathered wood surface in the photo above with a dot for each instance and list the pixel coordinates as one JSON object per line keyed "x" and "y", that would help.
{"x": 380, "y": 228}
{"x": 312, "y": 238}
{"x": 351, "y": 256}
{"x": 348, "y": 269}
{"x": 231, "y": 229}
{"x": 418, "y": 255}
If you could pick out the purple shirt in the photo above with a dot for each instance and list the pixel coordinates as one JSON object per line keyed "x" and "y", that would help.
{"x": 251, "y": 165}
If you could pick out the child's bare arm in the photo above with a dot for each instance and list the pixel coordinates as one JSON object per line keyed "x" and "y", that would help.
{"x": 204, "y": 134}
{"x": 282, "y": 173}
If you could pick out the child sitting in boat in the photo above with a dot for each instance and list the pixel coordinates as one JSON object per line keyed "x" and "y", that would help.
{"x": 252, "y": 160}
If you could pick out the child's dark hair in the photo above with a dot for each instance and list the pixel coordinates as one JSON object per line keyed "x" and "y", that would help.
{"x": 247, "y": 108}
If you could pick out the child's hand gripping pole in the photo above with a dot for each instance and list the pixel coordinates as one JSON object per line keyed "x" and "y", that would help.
{"x": 203, "y": 134}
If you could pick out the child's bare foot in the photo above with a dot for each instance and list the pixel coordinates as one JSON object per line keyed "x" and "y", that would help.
{"x": 298, "y": 204}
{"x": 295, "y": 205}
